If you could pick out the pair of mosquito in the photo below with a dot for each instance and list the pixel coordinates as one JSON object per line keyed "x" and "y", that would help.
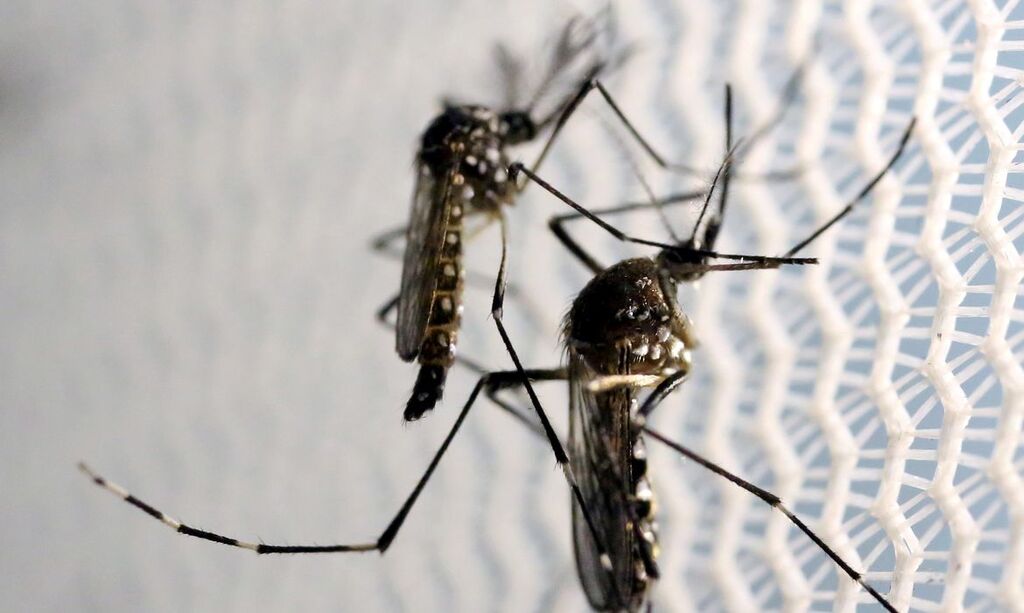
{"x": 625, "y": 332}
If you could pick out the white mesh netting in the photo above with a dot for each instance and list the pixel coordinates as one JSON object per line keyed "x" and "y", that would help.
{"x": 189, "y": 190}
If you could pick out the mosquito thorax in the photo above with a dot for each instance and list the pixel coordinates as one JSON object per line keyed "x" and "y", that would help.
{"x": 629, "y": 311}
{"x": 472, "y": 139}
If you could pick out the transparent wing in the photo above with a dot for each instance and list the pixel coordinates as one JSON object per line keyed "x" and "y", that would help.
{"x": 586, "y": 48}
{"x": 599, "y": 447}
{"x": 431, "y": 205}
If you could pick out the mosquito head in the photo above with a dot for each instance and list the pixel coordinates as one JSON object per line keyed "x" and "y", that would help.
{"x": 682, "y": 264}
{"x": 517, "y": 127}
{"x": 686, "y": 261}
{"x": 630, "y": 309}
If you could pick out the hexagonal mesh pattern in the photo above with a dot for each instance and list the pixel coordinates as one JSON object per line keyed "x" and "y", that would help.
{"x": 875, "y": 391}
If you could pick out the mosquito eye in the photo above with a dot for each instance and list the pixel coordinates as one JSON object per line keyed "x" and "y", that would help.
{"x": 682, "y": 255}
{"x": 519, "y": 127}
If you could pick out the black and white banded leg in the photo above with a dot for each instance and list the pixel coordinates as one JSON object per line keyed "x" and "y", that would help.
{"x": 495, "y": 380}
{"x": 746, "y": 261}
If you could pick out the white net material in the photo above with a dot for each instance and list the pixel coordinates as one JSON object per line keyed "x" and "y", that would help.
{"x": 875, "y": 392}
{"x": 189, "y": 191}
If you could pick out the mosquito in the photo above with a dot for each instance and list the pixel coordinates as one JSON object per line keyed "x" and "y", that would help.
{"x": 625, "y": 333}
{"x": 461, "y": 173}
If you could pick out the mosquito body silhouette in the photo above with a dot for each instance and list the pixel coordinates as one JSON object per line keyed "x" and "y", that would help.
{"x": 462, "y": 172}
{"x": 625, "y": 333}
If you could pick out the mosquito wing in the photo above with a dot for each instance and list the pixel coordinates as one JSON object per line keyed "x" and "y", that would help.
{"x": 600, "y": 447}
{"x": 424, "y": 239}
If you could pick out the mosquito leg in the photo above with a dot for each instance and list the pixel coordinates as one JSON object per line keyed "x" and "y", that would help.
{"x": 775, "y": 502}
{"x": 383, "y": 316}
{"x": 519, "y": 414}
{"x": 382, "y": 242}
{"x": 574, "y": 103}
{"x": 523, "y": 415}
{"x": 724, "y": 173}
{"x": 789, "y": 93}
{"x": 664, "y": 388}
{"x": 497, "y": 306}
{"x": 384, "y": 312}
{"x": 557, "y": 224}
{"x": 590, "y": 85}
{"x": 471, "y": 364}
{"x": 664, "y": 201}
{"x": 497, "y": 379}
{"x": 860, "y": 196}
{"x": 516, "y": 168}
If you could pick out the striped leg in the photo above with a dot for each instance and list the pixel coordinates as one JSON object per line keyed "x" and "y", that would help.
{"x": 489, "y": 381}
{"x": 181, "y": 528}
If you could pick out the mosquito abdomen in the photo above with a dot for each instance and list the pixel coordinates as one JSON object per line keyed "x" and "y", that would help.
{"x": 429, "y": 388}
{"x": 437, "y": 350}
